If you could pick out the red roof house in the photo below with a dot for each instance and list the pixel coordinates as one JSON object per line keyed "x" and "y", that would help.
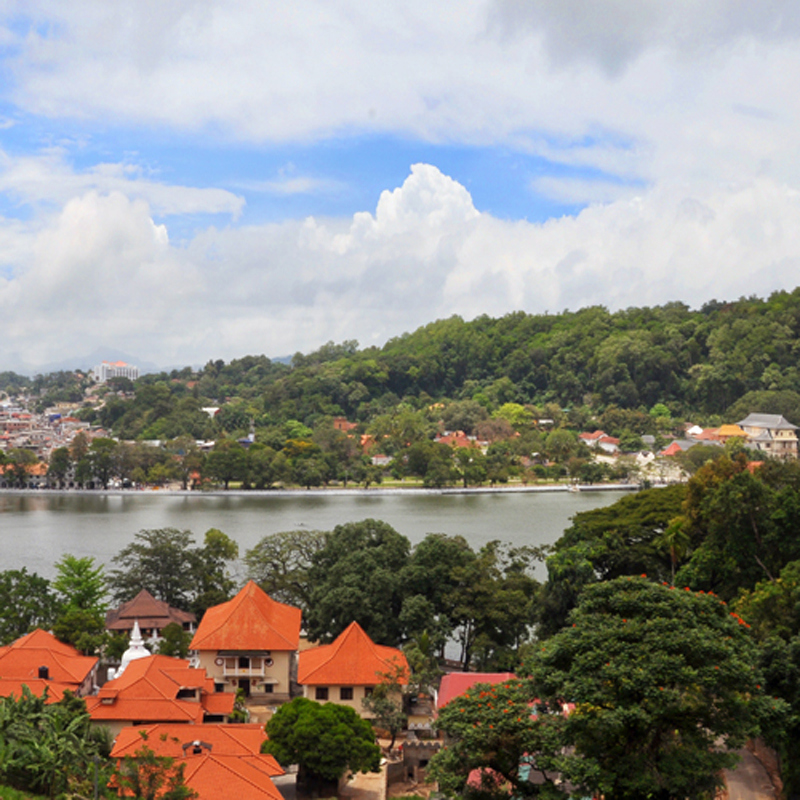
{"x": 151, "y": 614}
{"x": 37, "y": 660}
{"x": 249, "y": 643}
{"x": 348, "y": 669}
{"x": 454, "y": 684}
{"x": 159, "y": 689}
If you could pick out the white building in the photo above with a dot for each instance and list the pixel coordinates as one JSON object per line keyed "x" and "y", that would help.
{"x": 115, "y": 369}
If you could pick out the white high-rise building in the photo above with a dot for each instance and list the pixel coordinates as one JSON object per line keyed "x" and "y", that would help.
{"x": 115, "y": 369}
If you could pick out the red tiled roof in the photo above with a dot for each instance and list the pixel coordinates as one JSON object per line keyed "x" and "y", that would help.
{"x": 672, "y": 450}
{"x": 251, "y": 621}
{"x": 147, "y": 691}
{"x": 150, "y": 613}
{"x": 454, "y": 684}
{"x": 55, "y": 691}
{"x": 353, "y": 659}
{"x": 243, "y": 739}
{"x": 244, "y": 778}
{"x": 21, "y": 660}
{"x": 592, "y": 437}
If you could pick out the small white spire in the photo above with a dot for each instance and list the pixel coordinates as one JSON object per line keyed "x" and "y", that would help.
{"x": 136, "y": 649}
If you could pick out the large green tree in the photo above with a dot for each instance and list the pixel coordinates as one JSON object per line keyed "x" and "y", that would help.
{"x": 357, "y": 575}
{"x": 27, "y": 601}
{"x": 324, "y": 740}
{"x": 646, "y": 694}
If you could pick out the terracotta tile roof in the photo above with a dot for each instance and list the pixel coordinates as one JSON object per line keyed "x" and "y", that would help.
{"x": 150, "y": 613}
{"x": 353, "y": 659}
{"x": 21, "y": 660}
{"x": 454, "y": 684}
{"x": 592, "y": 437}
{"x": 214, "y": 777}
{"x": 225, "y": 740}
{"x": 251, "y": 621}
{"x": 148, "y": 692}
{"x": 13, "y": 686}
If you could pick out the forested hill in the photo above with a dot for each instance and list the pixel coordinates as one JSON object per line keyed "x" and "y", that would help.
{"x": 695, "y": 362}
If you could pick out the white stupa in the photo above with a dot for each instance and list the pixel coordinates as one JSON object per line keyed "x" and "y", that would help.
{"x": 136, "y": 649}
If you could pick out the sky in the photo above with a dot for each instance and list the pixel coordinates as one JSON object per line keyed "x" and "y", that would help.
{"x": 206, "y": 179}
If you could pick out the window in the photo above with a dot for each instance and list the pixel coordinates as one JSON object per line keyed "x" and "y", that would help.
{"x": 321, "y": 693}
{"x": 346, "y": 693}
{"x": 368, "y": 690}
{"x": 268, "y": 688}
{"x": 244, "y": 662}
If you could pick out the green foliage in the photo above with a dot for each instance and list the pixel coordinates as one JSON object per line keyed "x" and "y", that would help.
{"x": 325, "y": 740}
{"x": 385, "y": 704}
{"x": 175, "y": 641}
{"x": 357, "y": 575}
{"x": 166, "y": 563}
{"x": 147, "y": 776}
{"x": 621, "y": 539}
{"x": 80, "y": 583}
{"x": 26, "y": 602}
{"x": 280, "y": 564}
{"x": 660, "y": 678}
{"x": 48, "y": 748}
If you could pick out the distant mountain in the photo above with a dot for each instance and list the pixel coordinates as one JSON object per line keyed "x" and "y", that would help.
{"x": 86, "y": 362}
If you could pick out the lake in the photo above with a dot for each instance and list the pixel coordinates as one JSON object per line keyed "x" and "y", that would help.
{"x": 37, "y": 528}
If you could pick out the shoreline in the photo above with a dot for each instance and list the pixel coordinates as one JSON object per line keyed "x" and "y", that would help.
{"x": 330, "y": 492}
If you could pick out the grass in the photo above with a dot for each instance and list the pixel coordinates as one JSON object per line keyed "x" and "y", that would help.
{"x": 14, "y": 794}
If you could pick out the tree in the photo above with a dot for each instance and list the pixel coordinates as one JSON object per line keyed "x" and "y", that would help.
{"x": 213, "y": 584}
{"x": 161, "y": 561}
{"x": 226, "y": 462}
{"x": 175, "y": 641}
{"x": 101, "y": 459}
{"x": 48, "y": 747}
{"x": 60, "y": 464}
{"x": 80, "y": 583}
{"x": 323, "y": 740}
{"x": 20, "y": 462}
{"x": 280, "y": 564}
{"x": 147, "y": 776}
{"x": 357, "y": 575}
{"x": 26, "y": 602}
{"x": 386, "y": 703}
{"x": 665, "y": 688}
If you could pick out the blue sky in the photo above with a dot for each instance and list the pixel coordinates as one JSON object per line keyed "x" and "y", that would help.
{"x": 203, "y": 179}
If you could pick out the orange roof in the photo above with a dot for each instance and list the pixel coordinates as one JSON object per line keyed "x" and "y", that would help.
{"x": 729, "y": 431}
{"x": 244, "y": 739}
{"x": 251, "y": 621}
{"x": 13, "y": 686}
{"x": 147, "y": 691}
{"x": 21, "y": 660}
{"x": 454, "y": 684}
{"x": 353, "y": 659}
{"x": 242, "y": 777}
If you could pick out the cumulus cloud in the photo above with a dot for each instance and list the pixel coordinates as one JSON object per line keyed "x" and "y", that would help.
{"x": 102, "y": 271}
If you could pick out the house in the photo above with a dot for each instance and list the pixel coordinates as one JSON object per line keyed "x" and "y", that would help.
{"x": 454, "y": 684}
{"x": 347, "y": 670}
{"x": 38, "y": 660}
{"x": 219, "y": 760}
{"x": 249, "y": 643}
{"x": 772, "y": 434}
{"x": 151, "y": 614}
{"x": 592, "y": 439}
{"x": 158, "y": 689}
{"x": 725, "y": 432}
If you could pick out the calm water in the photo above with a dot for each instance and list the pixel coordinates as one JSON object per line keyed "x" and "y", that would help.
{"x": 37, "y": 529}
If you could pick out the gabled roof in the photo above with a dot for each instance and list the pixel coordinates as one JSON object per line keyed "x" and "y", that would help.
{"x": 243, "y": 739}
{"x": 13, "y": 686}
{"x": 150, "y": 613}
{"x": 147, "y": 691}
{"x": 730, "y": 430}
{"x": 21, "y": 660}
{"x": 454, "y": 684}
{"x": 251, "y": 621}
{"x": 771, "y": 421}
{"x": 592, "y": 437}
{"x": 242, "y": 777}
{"x": 352, "y": 659}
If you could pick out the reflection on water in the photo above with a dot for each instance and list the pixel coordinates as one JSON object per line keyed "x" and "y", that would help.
{"x": 37, "y": 529}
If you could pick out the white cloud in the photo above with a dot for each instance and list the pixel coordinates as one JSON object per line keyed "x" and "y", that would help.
{"x": 102, "y": 272}
{"x": 48, "y": 178}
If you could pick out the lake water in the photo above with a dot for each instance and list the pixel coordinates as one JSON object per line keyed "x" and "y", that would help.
{"x": 37, "y": 528}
